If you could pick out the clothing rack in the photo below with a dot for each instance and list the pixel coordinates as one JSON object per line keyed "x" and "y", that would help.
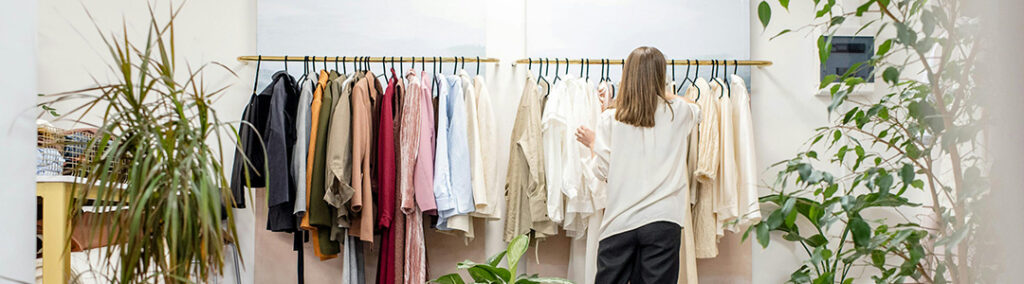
{"x": 600, "y": 61}
{"x": 475, "y": 59}
{"x": 372, "y": 59}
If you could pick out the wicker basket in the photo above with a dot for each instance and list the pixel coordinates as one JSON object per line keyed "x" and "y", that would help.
{"x": 49, "y": 150}
{"x": 78, "y": 151}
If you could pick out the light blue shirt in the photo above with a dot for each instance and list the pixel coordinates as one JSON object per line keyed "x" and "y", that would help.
{"x": 453, "y": 190}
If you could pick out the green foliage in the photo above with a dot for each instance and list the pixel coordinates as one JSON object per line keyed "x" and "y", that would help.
{"x": 491, "y": 272}
{"x": 157, "y": 166}
{"x": 923, "y": 135}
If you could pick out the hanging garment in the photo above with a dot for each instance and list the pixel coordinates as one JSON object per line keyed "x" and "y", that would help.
{"x": 554, "y": 126}
{"x": 302, "y": 128}
{"x": 423, "y": 178}
{"x": 249, "y": 159}
{"x": 474, "y": 140}
{"x": 725, "y": 199}
{"x": 314, "y": 109}
{"x": 525, "y": 185}
{"x": 386, "y": 175}
{"x": 279, "y": 137}
{"x": 386, "y": 157}
{"x": 705, "y": 223}
{"x": 321, "y": 215}
{"x": 584, "y": 213}
{"x": 598, "y": 191}
{"x": 397, "y": 231}
{"x": 354, "y": 270}
{"x": 339, "y": 157}
{"x": 409, "y": 140}
{"x": 442, "y": 168}
{"x": 421, "y": 130}
{"x": 653, "y": 153}
{"x": 487, "y": 139}
{"x": 746, "y": 158}
{"x": 455, "y": 195}
{"x": 687, "y": 255}
{"x": 462, "y": 224}
{"x": 604, "y": 91}
{"x": 578, "y": 187}
{"x": 363, "y": 94}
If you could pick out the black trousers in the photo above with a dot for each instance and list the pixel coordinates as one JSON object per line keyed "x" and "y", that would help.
{"x": 649, "y": 254}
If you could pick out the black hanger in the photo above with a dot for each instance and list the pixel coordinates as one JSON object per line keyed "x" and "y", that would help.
{"x": 725, "y": 75}
{"x": 696, "y": 75}
{"x": 286, "y": 64}
{"x": 256, "y": 81}
{"x": 581, "y": 67}
{"x": 556, "y": 71}
{"x": 687, "y": 77}
{"x": 610, "y": 82}
{"x": 547, "y": 68}
{"x": 540, "y": 70}
{"x": 305, "y": 66}
{"x": 673, "y": 67}
{"x": 588, "y": 69}
{"x": 325, "y": 63}
{"x": 735, "y": 66}
{"x": 384, "y": 68}
{"x": 433, "y": 82}
{"x": 463, "y": 58}
{"x": 455, "y": 66}
{"x": 439, "y": 67}
{"x": 478, "y": 65}
{"x": 605, "y": 75}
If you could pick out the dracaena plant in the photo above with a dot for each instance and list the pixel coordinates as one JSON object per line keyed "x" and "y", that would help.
{"x": 492, "y": 272}
{"x": 157, "y": 165}
{"x": 890, "y": 184}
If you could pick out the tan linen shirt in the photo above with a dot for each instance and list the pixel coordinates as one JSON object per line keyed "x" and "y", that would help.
{"x": 525, "y": 187}
{"x": 339, "y": 152}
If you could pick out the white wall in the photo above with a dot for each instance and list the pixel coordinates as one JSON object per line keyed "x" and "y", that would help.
{"x": 70, "y": 51}
{"x": 785, "y": 112}
{"x": 18, "y": 37}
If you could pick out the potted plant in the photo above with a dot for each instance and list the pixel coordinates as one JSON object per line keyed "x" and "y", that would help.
{"x": 492, "y": 272}
{"x": 157, "y": 168}
{"x": 922, "y": 136}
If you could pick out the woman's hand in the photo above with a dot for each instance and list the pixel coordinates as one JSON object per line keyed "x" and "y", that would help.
{"x": 585, "y": 136}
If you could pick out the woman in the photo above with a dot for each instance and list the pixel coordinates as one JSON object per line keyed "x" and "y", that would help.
{"x": 639, "y": 148}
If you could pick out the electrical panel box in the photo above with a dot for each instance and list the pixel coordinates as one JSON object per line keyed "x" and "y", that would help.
{"x": 847, "y": 51}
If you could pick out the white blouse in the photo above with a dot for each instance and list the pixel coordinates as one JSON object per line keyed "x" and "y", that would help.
{"x": 746, "y": 158}
{"x": 645, "y": 167}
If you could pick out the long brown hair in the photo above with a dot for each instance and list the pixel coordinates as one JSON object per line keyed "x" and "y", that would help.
{"x": 643, "y": 85}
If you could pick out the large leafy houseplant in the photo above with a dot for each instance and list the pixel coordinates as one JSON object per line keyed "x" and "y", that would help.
{"x": 492, "y": 272}
{"x": 915, "y": 154}
{"x": 157, "y": 167}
